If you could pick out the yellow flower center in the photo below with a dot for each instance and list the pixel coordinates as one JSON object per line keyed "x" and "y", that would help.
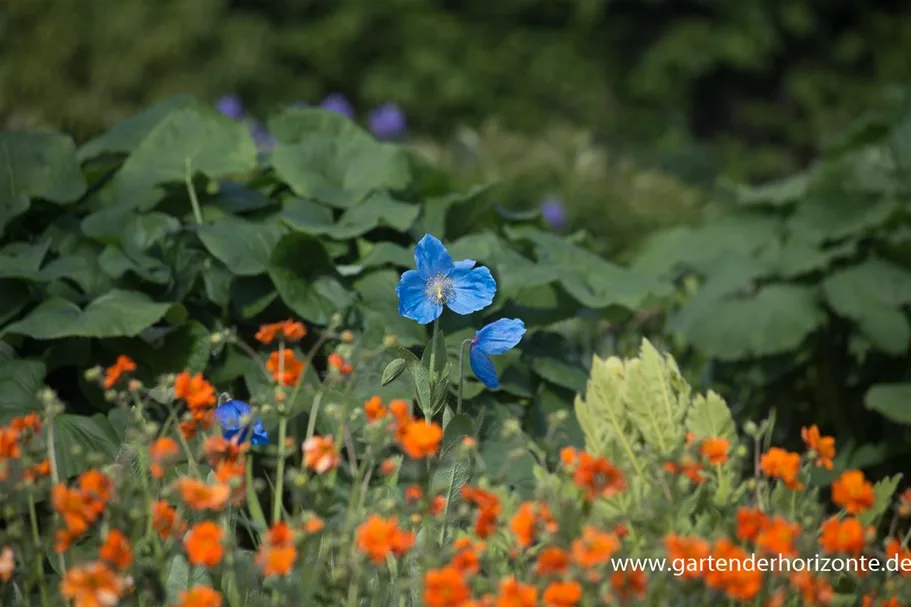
{"x": 439, "y": 288}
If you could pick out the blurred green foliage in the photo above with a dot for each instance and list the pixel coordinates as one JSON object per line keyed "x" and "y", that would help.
{"x": 762, "y": 83}
{"x": 798, "y": 298}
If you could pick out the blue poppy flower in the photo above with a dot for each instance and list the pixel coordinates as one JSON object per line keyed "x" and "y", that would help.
{"x": 496, "y": 338}
{"x": 387, "y": 121}
{"x": 554, "y": 213}
{"x": 230, "y": 416}
{"x": 438, "y": 281}
{"x": 338, "y": 103}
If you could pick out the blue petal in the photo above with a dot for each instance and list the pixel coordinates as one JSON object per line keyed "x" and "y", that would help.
{"x": 483, "y": 368}
{"x": 499, "y": 336}
{"x": 229, "y": 414}
{"x": 473, "y": 290}
{"x": 431, "y": 257}
{"x": 414, "y": 303}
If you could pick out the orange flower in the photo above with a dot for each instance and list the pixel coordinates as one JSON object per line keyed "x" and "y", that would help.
{"x": 598, "y": 477}
{"x": 284, "y": 367}
{"x": 629, "y": 584}
{"x": 737, "y": 579}
{"x": 414, "y": 493}
{"x": 320, "y": 454}
{"x": 98, "y": 486}
{"x": 200, "y": 596}
{"x": 445, "y": 588}
{"x": 203, "y": 544}
{"x": 813, "y": 590}
{"x": 515, "y": 594}
{"x": 123, "y": 364}
{"x": 116, "y": 550}
{"x": 594, "y": 547}
{"x": 715, "y": 450}
{"x": 489, "y": 509}
{"x": 847, "y": 535}
{"x": 36, "y": 471}
{"x": 338, "y": 362}
{"x": 852, "y": 492}
{"x": 290, "y": 331}
{"x": 162, "y": 452}
{"x": 777, "y": 537}
{"x": 824, "y": 446}
{"x": 164, "y": 519}
{"x": 378, "y": 537}
{"x": 437, "y": 505}
{"x": 198, "y": 495}
{"x": 466, "y": 557}
{"x": 314, "y": 525}
{"x": 749, "y": 522}
{"x": 687, "y": 550}
{"x": 527, "y": 520}
{"x": 778, "y": 463}
{"x": 562, "y": 594}
{"x": 7, "y": 564}
{"x": 77, "y": 509}
{"x": 552, "y": 560}
{"x": 92, "y": 585}
{"x": 902, "y": 555}
{"x": 277, "y": 554}
{"x": 904, "y": 503}
{"x": 195, "y": 390}
{"x": 30, "y": 423}
{"x": 9, "y": 444}
{"x": 218, "y": 449}
{"x": 421, "y": 439}
{"x": 388, "y": 467}
{"x": 374, "y": 409}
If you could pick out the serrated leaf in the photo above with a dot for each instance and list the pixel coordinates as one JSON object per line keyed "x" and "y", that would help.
{"x": 76, "y": 437}
{"x": 871, "y": 294}
{"x": 20, "y": 381}
{"x": 303, "y": 274}
{"x": 781, "y": 317}
{"x": 393, "y": 370}
{"x": 882, "y": 498}
{"x": 656, "y": 399}
{"x": 245, "y": 247}
{"x": 378, "y": 209}
{"x": 179, "y": 576}
{"x": 186, "y": 141}
{"x": 891, "y": 400}
{"x": 420, "y": 377}
{"x": 37, "y": 165}
{"x": 115, "y": 314}
{"x": 710, "y": 417}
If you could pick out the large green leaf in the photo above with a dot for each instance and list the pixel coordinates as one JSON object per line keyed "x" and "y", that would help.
{"x": 303, "y": 274}
{"x": 892, "y": 400}
{"x": 37, "y": 165}
{"x": 593, "y": 281}
{"x": 126, "y": 136}
{"x": 709, "y": 417}
{"x": 77, "y": 438}
{"x": 377, "y": 293}
{"x": 377, "y": 209}
{"x": 245, "y": 247}
{"x": 512, "y": 270}
{"x": 780, "y": 317}
{"x": 320, "y": 157}
{"x": 839, "y": 215}
{"x": 187, "y": 140}
{"x": 115, "y": 314}
{"x": 20, "y": 381}
{"x": 871, "y": 294}
{"x": 776, "y": 194}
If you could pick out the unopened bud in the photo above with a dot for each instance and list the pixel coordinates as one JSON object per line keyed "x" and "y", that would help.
{"x": 110, "y": 395}
{"x": 216, "y": 338}
{"x": 750, "y": 428}
{"x": 347, "y": 336}
{"x": 390, "y": 341}
{"x": 335, "y": 320}
{"x": 134, "y": 385}
{"x": 94, "y": 374}
{"x": 511, "y": 428}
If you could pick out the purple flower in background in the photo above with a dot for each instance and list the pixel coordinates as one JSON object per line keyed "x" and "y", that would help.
{"x": 338, "y": 103}
{"x": 230, "y": 106}
{"x": 261, "y": 137}
{"x": 387, "y": 121}
{"x": 554, "y": 213}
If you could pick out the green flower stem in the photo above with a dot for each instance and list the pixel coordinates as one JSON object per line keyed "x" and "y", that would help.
{"x": 194, "y": 201}
{"x": 36, "y": 539}
{"x": 191, "y": 461}
{"x": 253, "y": 505}
{"x": 433, "y": 360}
{"x": 461, "y": 373}
{"x": 55, "y": 473}
{"x": 280, "y": 471}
